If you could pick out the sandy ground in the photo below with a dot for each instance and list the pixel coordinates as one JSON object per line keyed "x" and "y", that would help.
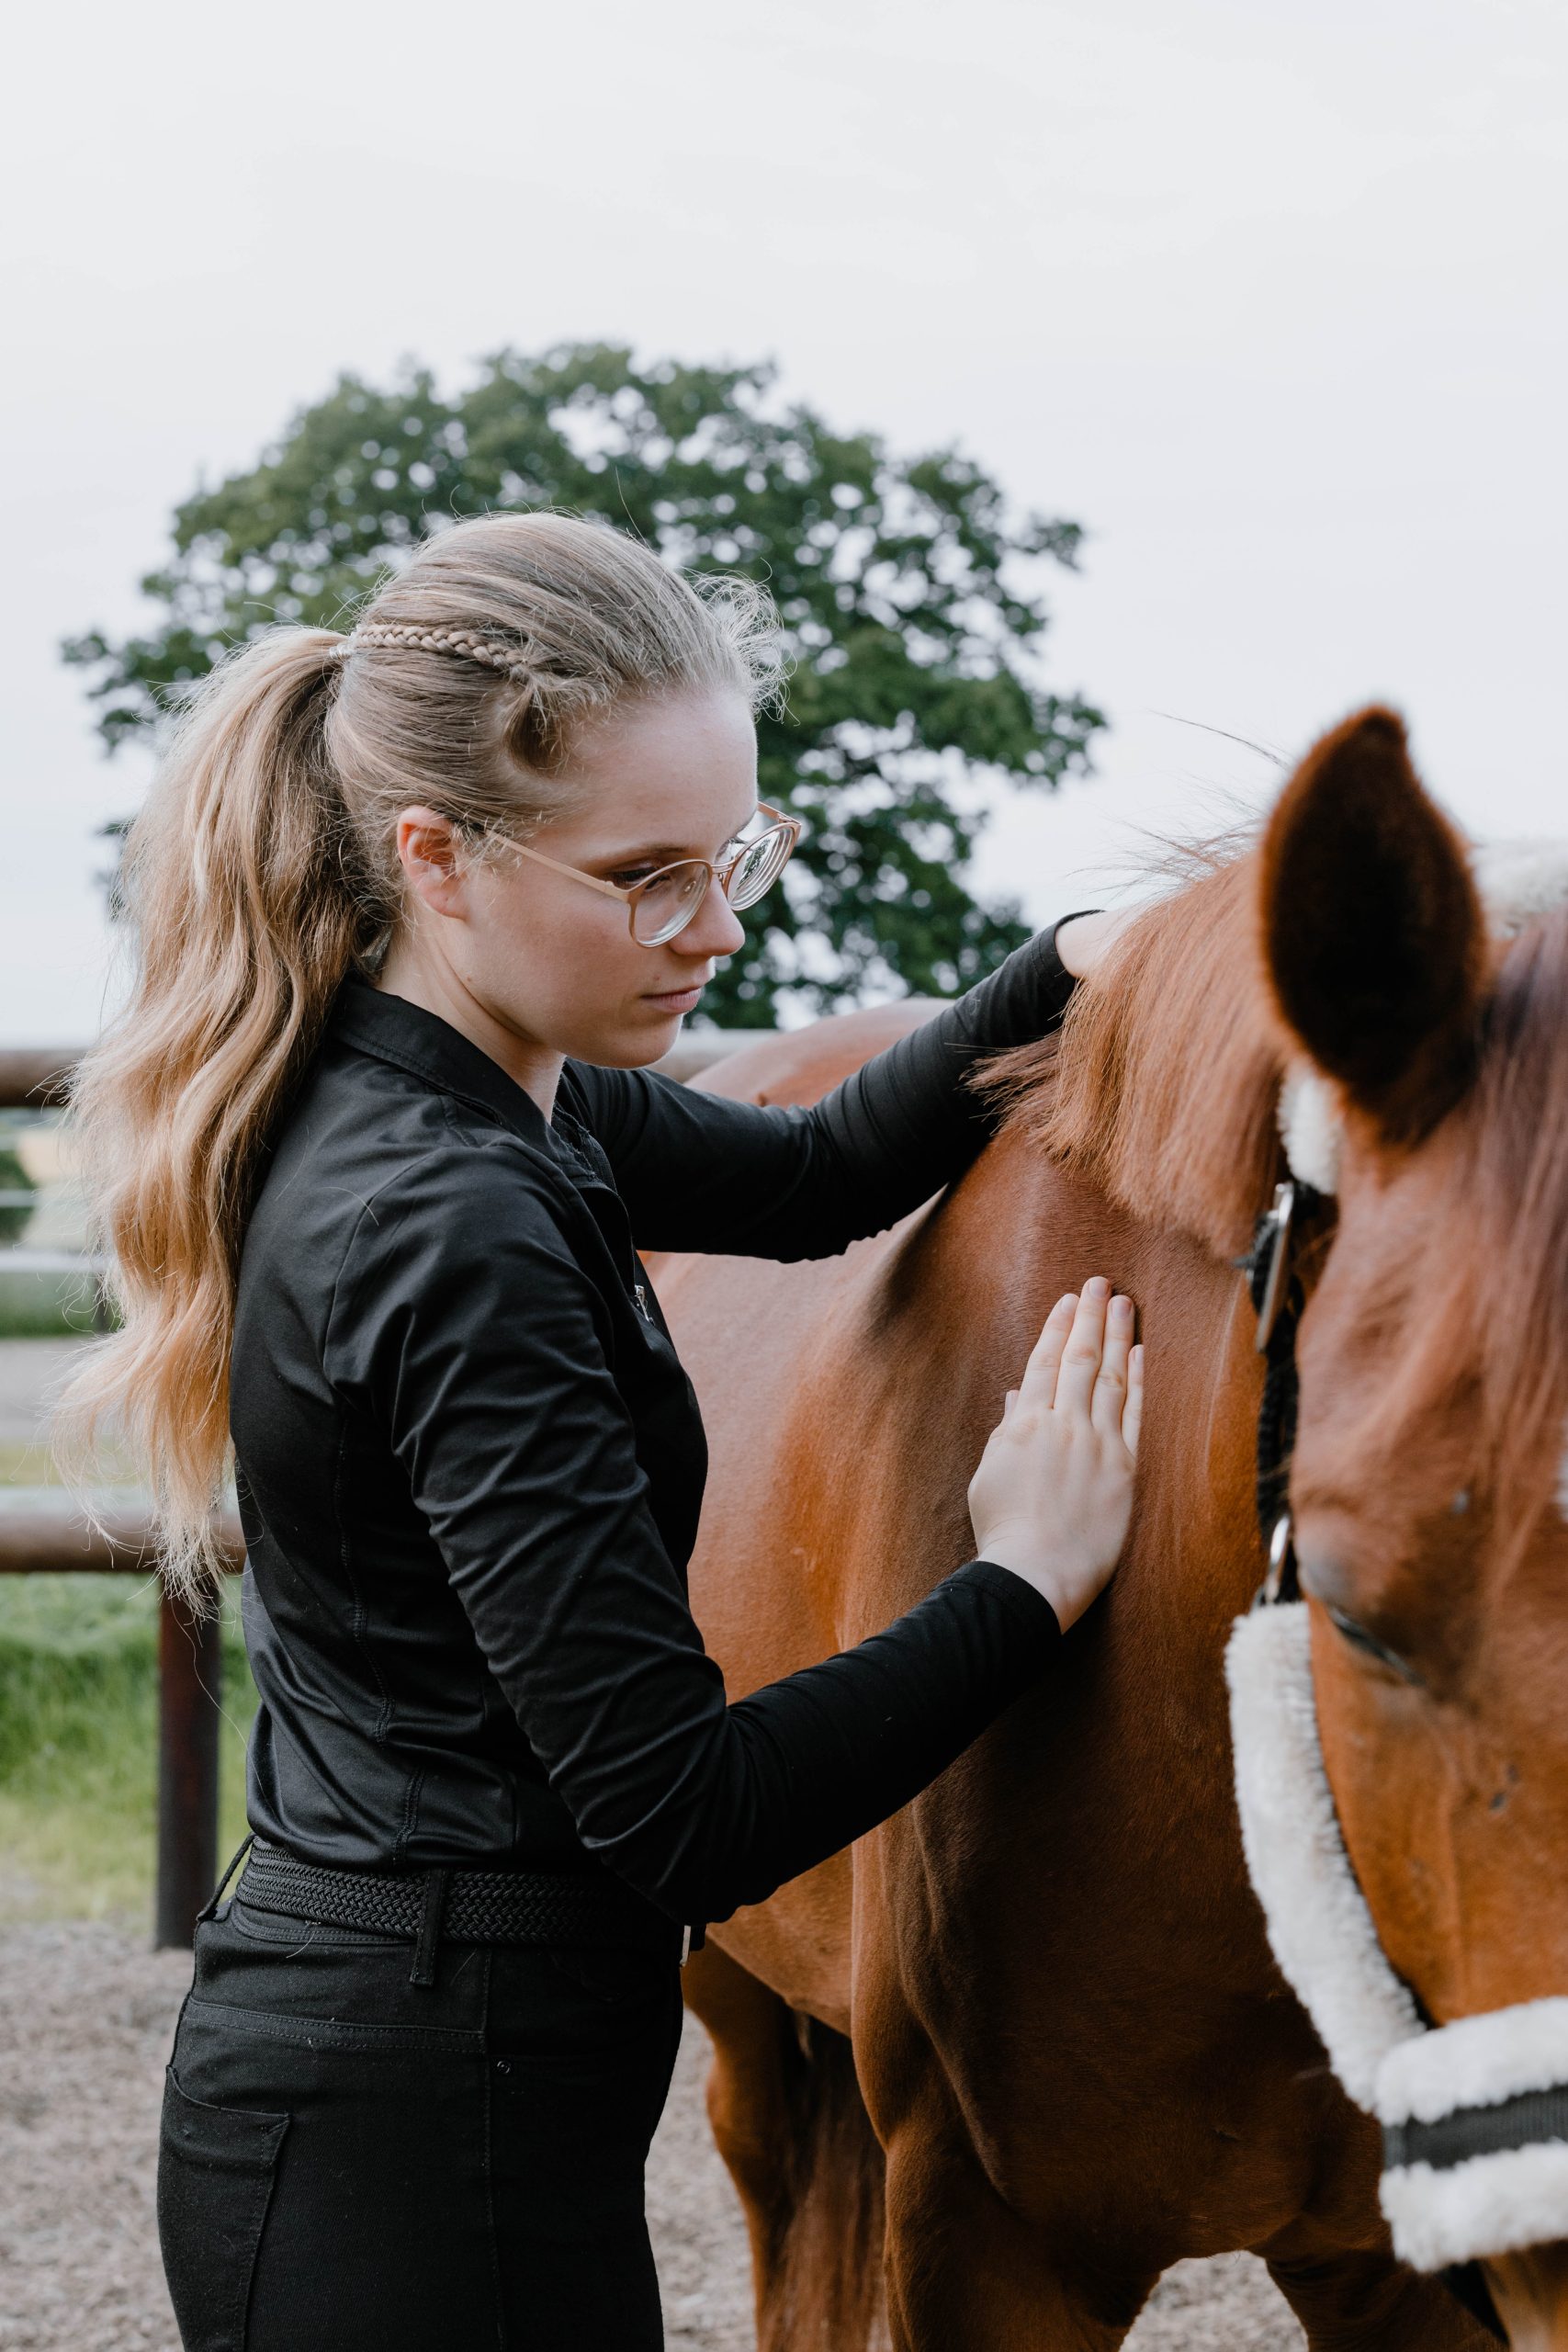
{"x": 86, "y": 2018}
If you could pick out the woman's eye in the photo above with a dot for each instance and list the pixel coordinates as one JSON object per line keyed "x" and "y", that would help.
{"x": 634, "y": 874}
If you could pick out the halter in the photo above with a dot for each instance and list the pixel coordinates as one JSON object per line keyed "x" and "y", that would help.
{"x": 1474, "y": 2114}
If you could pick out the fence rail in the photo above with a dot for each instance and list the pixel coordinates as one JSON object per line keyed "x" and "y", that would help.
{"x": 41, "y": 1533}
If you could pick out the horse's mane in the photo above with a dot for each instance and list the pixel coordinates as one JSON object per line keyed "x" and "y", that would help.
{"x": 1164, "y": 1089}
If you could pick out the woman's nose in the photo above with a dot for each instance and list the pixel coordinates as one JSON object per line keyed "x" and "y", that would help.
{"x": 715, "y": 930}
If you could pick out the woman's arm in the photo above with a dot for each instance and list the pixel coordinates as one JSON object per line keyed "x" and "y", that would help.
{"x": 700, "y": 1171}
{"x": 466, "y": 1328}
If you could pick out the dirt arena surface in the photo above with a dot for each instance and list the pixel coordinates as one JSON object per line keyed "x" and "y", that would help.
{"x": 86, "y": 2018}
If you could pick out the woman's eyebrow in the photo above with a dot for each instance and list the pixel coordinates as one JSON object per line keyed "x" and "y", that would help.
{"x": 665, "y": 852}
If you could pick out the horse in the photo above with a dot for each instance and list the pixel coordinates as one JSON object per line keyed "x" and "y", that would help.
{"x": 1420, "y": 1693}
{"x": 981, "y": 2079}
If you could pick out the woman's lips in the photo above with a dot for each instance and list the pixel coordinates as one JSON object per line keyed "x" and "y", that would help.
{"x": 677, "y": 999}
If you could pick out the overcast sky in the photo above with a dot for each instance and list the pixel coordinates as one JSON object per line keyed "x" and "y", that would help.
{"x": 1269, "y": 296}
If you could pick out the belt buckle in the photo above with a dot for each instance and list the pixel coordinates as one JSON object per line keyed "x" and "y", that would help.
{"x": 685, "y": 1944}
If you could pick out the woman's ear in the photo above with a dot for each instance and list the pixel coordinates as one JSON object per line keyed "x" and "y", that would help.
{"x": 429, "y": 851}
{"x": 1372, "y": 933}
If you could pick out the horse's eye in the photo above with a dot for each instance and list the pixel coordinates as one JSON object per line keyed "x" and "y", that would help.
{"x": 1368, "y": 1643}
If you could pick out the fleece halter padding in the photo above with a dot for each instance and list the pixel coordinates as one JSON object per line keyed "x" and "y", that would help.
{"x": 1474, "y": 2114}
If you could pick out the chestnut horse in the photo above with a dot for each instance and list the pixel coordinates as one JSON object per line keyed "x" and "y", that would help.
{"x": 1429, "y": 1484}
{"x": 982, "y": 2079}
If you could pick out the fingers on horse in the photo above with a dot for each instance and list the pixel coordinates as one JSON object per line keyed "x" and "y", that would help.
{"x": 1111, "y": 1383}
{"x": 1132, "y": 1410}
{"x": 1045, "y": 1356}
{"x": 1086, "y": 1346}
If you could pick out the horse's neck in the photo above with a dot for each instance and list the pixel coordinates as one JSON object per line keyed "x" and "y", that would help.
{"x": 938, "y": 1324}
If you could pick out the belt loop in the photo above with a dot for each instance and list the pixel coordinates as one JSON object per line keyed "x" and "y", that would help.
{"x": 423, "y": 1969}
{"x": 208, "y": 1909}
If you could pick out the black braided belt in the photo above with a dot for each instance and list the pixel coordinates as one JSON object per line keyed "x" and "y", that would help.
{"x": 472, "y": 1907}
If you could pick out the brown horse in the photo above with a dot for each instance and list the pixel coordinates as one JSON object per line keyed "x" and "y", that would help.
{"x": 982, "y": 2079}
{"x": 1428, "y": 1483}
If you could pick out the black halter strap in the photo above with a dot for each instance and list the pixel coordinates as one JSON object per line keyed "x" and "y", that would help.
{"x": 1274, "y": 1286}
{"x": 1275, "y": 1289}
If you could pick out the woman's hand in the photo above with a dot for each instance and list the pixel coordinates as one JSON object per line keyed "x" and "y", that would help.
{"x": 1082, "y": 940}
{"x": 1054, "y": 1490}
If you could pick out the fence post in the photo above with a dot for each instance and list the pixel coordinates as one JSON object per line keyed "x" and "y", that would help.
{"x": 190, "y": 1671}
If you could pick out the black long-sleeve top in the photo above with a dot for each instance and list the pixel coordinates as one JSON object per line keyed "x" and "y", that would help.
{"x": 470, "y": 1464}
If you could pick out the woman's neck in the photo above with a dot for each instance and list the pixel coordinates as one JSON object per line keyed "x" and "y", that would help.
{"x": 435, "y": 987}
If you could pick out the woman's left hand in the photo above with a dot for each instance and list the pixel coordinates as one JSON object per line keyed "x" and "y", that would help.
{"x": 1083, "y": 940}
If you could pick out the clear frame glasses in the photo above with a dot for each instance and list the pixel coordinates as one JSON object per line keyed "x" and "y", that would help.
{"x": 663, "y": 902}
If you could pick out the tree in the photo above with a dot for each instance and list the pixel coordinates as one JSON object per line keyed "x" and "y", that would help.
{"x": 911, "y": 596}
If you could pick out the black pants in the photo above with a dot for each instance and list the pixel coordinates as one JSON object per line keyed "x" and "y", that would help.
{"x": 351, "y": 2163}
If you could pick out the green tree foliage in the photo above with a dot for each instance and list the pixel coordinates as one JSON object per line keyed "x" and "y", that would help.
{"x": 911, "y": 594}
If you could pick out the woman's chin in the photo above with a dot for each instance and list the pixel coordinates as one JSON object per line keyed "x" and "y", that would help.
{"x": 644, "y": 1036}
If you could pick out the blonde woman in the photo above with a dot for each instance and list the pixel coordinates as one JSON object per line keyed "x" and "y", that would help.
{"x": 376, "y": 1144}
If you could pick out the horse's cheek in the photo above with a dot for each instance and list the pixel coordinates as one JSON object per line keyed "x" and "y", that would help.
{"x": 1395, "y": 1783}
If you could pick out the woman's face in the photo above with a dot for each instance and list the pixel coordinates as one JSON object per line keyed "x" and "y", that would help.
{"x": 552, "y": 962}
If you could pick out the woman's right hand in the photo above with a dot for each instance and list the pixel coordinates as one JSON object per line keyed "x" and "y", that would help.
{"x": 1054, "y": 1490}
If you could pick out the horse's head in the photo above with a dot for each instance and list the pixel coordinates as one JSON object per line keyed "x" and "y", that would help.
{"x": 1429, "y": 1482}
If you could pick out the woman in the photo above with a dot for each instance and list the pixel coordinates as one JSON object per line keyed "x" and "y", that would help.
{"x": 377, "y": 1143}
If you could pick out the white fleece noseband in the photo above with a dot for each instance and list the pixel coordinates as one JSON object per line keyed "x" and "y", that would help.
{"x": 1474, "y": 2114}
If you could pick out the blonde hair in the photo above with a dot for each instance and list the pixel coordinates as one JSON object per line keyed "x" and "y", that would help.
{"x": 264, "y": 866}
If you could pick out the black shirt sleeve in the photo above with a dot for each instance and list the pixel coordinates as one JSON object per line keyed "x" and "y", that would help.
{"x": 699, "y": 1171}
{"x": 462, "y": 1324}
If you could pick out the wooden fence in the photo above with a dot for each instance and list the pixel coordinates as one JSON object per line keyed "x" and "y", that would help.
{"x": 46, "y": 1537}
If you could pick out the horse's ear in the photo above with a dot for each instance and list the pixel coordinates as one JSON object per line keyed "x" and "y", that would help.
{"x": 1372, "y": 932}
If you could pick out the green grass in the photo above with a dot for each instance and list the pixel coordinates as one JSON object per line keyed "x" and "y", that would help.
{"x": 79, "y": 1745}
{"x": 79, "y": 1730}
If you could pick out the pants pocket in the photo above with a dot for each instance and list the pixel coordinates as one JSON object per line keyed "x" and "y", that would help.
{"x": 215, "y": 2175}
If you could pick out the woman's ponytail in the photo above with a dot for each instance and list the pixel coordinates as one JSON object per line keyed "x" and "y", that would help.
{"x": 248, "y": 903}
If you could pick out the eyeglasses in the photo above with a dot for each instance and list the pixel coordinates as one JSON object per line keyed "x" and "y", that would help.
{"x": 664, "y": 903}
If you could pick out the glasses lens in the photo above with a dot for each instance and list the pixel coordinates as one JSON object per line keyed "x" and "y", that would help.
{"x": 760, "y": 866}
{"x": 667, "y": 904}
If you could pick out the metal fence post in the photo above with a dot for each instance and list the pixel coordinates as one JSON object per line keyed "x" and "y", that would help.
{"x": 190, "y": 1687}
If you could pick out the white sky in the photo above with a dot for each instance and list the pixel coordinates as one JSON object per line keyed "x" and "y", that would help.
{"x": 1269, "y": 296}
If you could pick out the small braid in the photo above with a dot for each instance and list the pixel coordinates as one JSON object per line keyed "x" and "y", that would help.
{"x": 508, "y": 661}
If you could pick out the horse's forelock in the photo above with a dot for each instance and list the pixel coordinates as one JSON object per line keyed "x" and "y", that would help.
{"x": 1164, "y": 1086}
{"x": 1515, "y": 1253}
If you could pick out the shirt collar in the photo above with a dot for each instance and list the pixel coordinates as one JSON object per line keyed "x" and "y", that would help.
{"x": 395, "y": 1031}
